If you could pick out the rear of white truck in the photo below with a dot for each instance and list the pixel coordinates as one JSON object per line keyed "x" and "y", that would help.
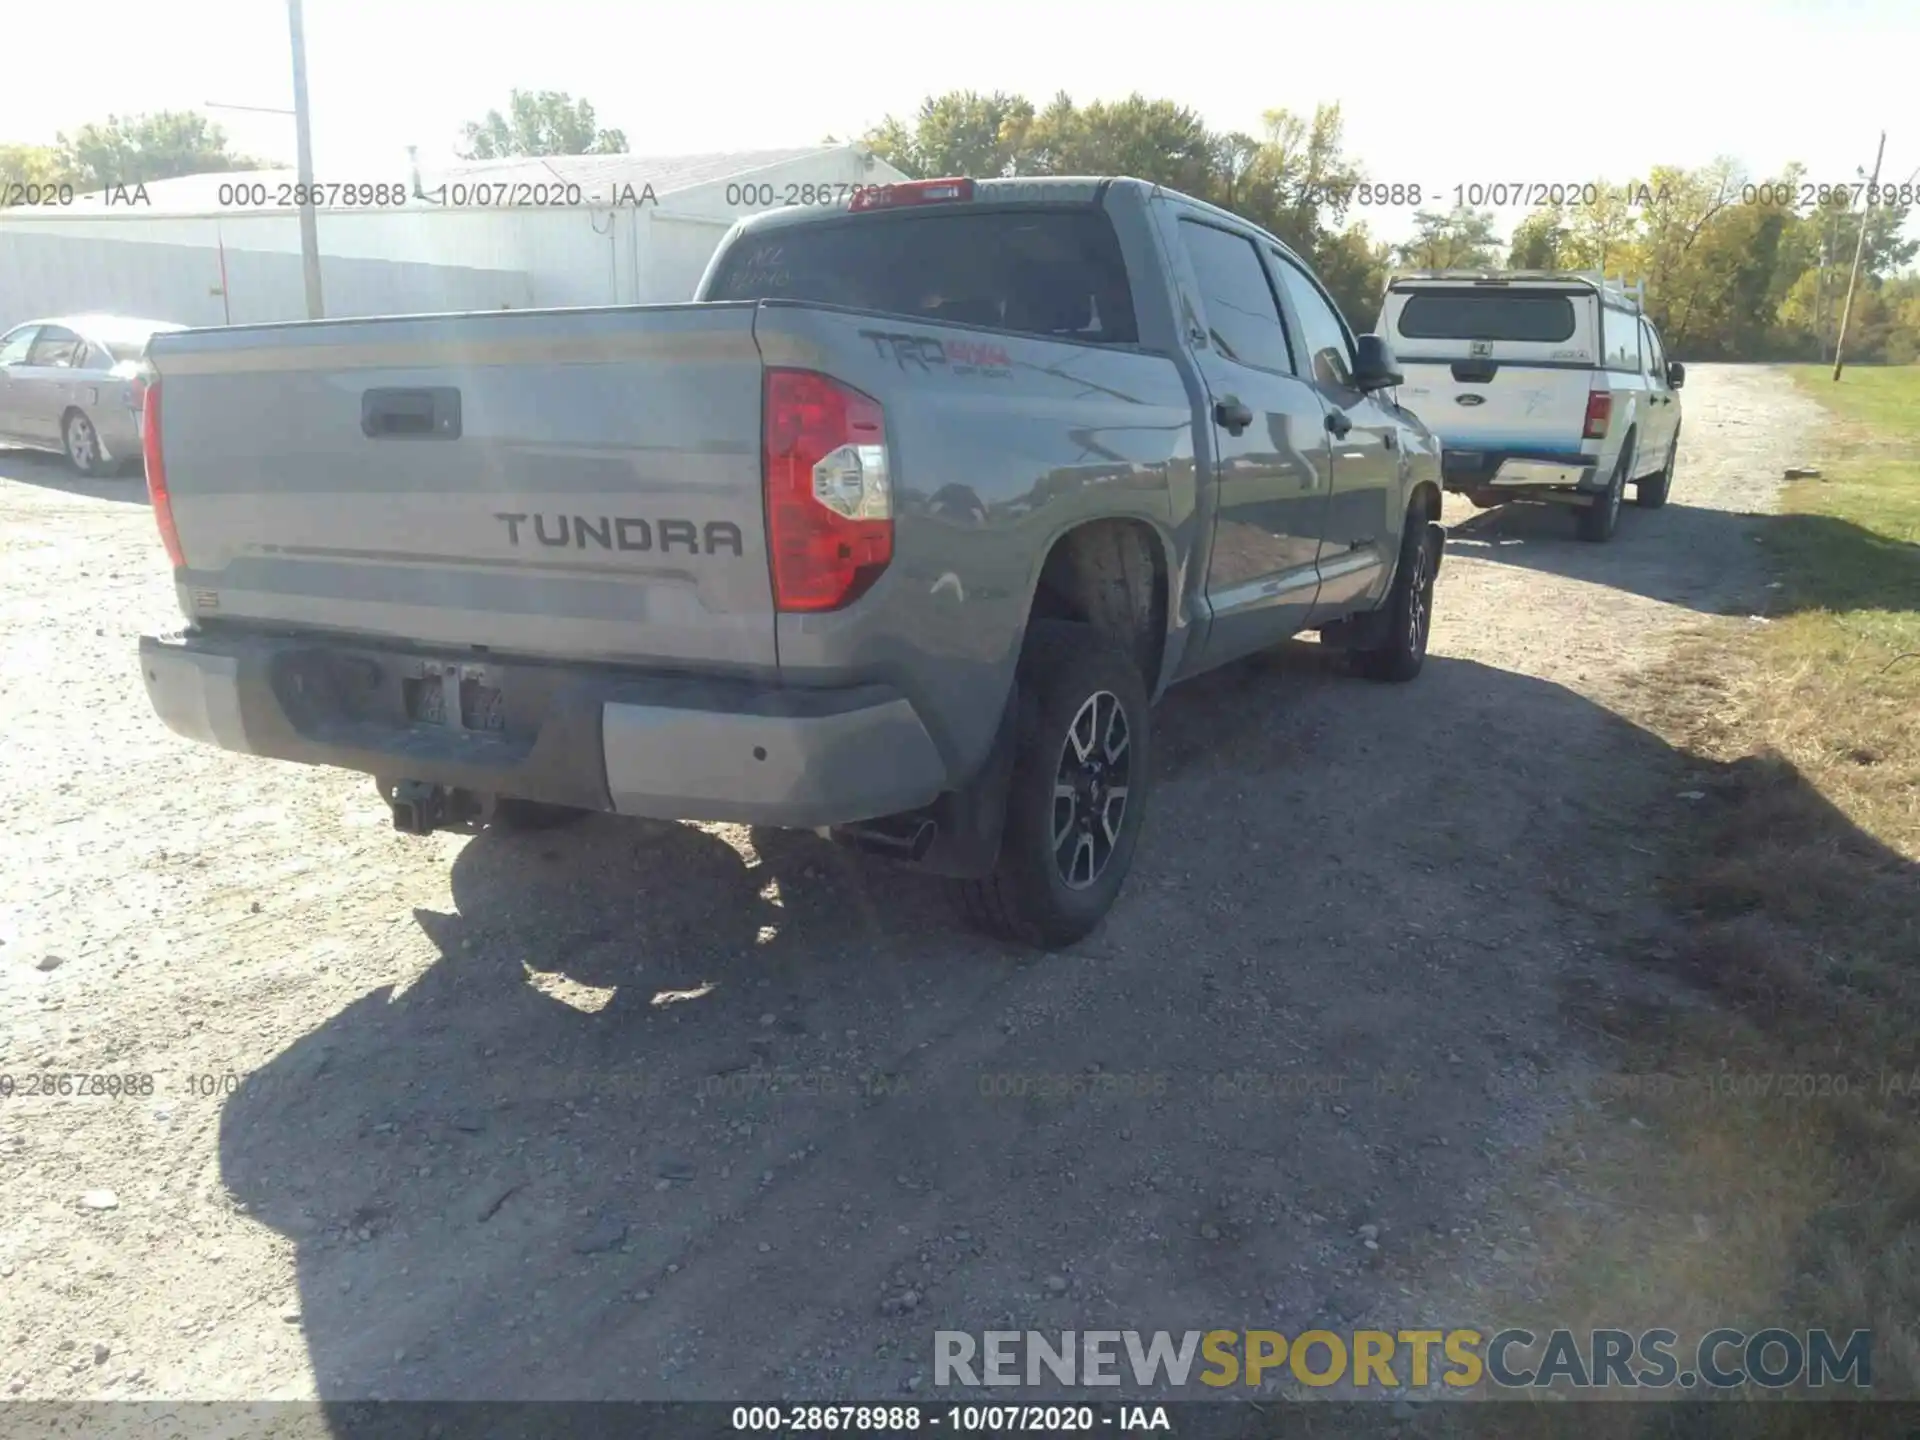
{"x": 1507, "y": 371}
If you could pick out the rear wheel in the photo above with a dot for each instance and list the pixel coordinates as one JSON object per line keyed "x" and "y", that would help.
{"x": 1076, "y": 797}
{"x": 1598, "y": 521}
{"x": 82, "y": 443}
{"x": 1651, "y": 493}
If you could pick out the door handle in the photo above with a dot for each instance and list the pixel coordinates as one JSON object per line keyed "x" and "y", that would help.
{"x": 429, "y": 414}
{"x": 1232, "y": 416}
{"x": 1338, "y": 424}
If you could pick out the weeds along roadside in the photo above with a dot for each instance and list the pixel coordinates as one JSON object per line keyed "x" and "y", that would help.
{"x": 1796, "y": 883}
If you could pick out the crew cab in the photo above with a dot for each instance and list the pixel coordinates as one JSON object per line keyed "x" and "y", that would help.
{"x": 895, "y": 532}
{"x": 1543, "y": 385}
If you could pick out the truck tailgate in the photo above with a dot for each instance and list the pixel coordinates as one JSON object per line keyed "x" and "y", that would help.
{"x": 1499, "y": 407}
{"x": 582, "y": 485}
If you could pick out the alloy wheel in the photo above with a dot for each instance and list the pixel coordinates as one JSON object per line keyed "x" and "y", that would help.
{"x": 1419, "y": 601}
{"x": 1090, "y": 789}
{"x": 82, "y": 444}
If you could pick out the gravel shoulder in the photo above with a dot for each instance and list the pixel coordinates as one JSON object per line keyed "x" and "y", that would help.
{"x": 688, "y": 1112}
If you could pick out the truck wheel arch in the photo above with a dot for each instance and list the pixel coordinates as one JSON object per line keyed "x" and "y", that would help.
{"x": 1110, "y": 573}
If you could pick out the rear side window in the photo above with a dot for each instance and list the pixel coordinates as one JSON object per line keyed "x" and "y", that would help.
{"x": 15, "y": 344}
{"x": 55, "y": 347}
{"x": 1650, "y": 351}
{"x": 1620, "y": 336}
{"x": 1056, "y": 273}
{"x": 1487, "y": 315}
{"x": 1243, "y": 319}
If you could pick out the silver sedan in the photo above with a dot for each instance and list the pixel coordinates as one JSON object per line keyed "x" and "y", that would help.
{"x": 74, "y": 385}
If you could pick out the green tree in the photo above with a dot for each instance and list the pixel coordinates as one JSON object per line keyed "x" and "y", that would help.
{"x": 24, "y": 166}
{"x": 1601, "y": 233}
{"x": 1354, "y": 268}
{"x": 1155, "y": 140}
{"x": 545, "y": 122}
{"x": 1299, "y": 183}
{"x": 1723, "y": 301}
{"x": 1463, "y": 238}
{"x": 1234, "y": 158}
{"x": 1538, "y": 241}
{"x": 1678, "y": 215}
{"x": 131, "y": 149}
{"x": 962, "y": 133}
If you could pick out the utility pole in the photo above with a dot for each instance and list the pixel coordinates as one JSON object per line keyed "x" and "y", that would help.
{"x": 309, "y": 229}
{"x": 1859, "y": 249}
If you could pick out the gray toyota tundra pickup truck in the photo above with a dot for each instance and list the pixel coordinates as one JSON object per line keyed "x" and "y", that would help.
{"x": 896, "y": 532}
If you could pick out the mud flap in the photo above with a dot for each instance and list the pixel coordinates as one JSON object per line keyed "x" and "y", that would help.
{"x": 1373, "y": 628}
{"x": 958, "y": 835}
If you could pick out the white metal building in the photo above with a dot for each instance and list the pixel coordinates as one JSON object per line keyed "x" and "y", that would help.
{"x": 565, "y": 230}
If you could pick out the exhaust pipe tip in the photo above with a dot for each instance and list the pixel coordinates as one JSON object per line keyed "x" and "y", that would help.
{"x": 905, "y": 838}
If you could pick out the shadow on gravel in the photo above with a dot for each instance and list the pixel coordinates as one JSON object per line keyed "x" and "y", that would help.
{"x": 51, "y": 472}
{"x": 658, "y": 1122}
{"x": 1649, "y": 554}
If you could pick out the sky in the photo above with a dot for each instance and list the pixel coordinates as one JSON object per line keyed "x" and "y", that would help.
{"x": 1439, "y": 95}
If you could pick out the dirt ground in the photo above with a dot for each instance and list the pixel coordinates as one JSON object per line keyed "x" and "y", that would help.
{"x": 663, "y": 1111}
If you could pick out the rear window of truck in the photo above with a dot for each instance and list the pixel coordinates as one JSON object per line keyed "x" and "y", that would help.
{"x": 1486, "y": 315}
{"x": 1056, "y": 273}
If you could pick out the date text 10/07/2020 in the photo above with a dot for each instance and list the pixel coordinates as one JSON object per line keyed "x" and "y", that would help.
{"x": 452, "y": 195}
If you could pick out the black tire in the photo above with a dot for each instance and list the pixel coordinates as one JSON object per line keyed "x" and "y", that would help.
{"x": 1409, "y": 608}
{"x": 1073, "y": 681}
{"x": 82, "y": 443}
{"x": 1651, "y": 493}
{"x": 1597, "y": 522}
{"x": 526, "y": 815}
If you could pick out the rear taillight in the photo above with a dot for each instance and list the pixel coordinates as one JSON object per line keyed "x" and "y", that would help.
{"x": 157, "y": 474}
{"x": 913, "y": 192}
{"x": 1599, "y": 412}
{"x": 829, "y": 494}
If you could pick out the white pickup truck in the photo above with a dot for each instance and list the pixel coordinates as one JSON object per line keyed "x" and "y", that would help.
{"x": 1542, "y": 385}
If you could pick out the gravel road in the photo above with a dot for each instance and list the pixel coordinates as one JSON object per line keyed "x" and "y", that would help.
{"x": 673, "y": 1111}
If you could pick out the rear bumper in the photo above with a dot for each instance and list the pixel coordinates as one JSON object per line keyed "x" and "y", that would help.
{"x": 119, "y": 430}
{"x": 599, "y": 738}
{"x": 1483, "y": 470}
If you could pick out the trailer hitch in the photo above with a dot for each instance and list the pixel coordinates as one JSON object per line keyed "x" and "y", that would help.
{"x": 420, "y": 808}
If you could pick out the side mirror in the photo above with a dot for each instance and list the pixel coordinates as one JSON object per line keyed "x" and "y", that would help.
{"x": 1676, "y": 374}
{"x": 1374, "y": 367}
